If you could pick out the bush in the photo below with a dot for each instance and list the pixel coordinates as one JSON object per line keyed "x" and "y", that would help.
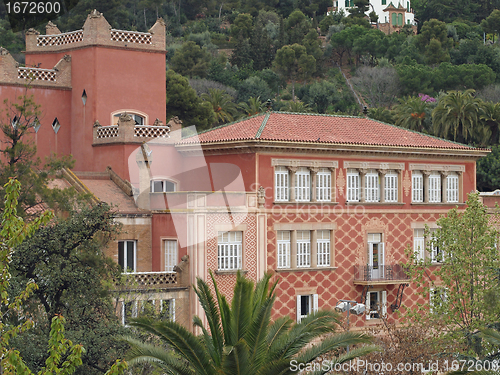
{"x": 254, "y": 87}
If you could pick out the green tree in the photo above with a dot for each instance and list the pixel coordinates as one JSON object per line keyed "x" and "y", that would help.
{"x": 360, "y": 8}
{"x": 74, "y": 278}
{"x": 293, "y": 63}
{"x": 413, "y": 113}
{"x": 343, "y": 42}
{"x": 492, "y": 23}
{"x": 434, "y": 53}
{"x": 254, "y": 87}
{"x": 222, "y": 103}
{"x": 191, "y": 60}
{"x": 434, "y": 29}
{"x": 183, "y": 102}
{"x": 463, "y": 290}
{"x": 241, "y": 338}
{"x": 488, "y": 171}
{"x": 297, "y": 26}
{"x": 242, "y": 26}
{"x": 253, "y": 106}
{"x": 490, "y": 115}
{"x": 456, "y": 116}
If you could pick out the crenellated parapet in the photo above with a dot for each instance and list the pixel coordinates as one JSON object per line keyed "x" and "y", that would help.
{"x": 96, "y": 32}
{"x": 12, "y": 73}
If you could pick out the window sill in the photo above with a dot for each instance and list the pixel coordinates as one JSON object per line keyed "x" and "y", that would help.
{"x": 436, "y": 204}
{"x": 309, "y": 203}
{"x": 375, "y": 203}
{"x": 299, "y": 269}
{"x": 229, "y": 272}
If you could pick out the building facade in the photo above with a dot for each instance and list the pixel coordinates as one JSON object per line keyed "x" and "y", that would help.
{"x": 327, "y": 204}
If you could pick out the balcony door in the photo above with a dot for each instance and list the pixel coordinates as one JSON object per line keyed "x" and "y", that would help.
{"x": 376, "y": 259}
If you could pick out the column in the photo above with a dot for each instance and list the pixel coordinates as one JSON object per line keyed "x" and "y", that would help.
{"x": 332, "y": 248}
{"x": 314, "y": 176}
{"x": 444, "y": 196}
{"x": 381, "y": 176}
{"x": 362, "y": 184}
{"x": 460, "y": 187}
{"x": 293, "y": 249}
{"x": 314, "y": 249}
{"x": 426, "y": 185}
{"x": 292, "y": 182}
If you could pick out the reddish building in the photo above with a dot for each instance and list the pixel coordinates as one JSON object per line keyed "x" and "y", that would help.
{"x": 327, "y": 204}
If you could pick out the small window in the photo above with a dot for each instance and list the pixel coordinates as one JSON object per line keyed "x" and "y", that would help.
{"x": 437, "y": 254}
{"x": 419, "y": 244}
{"x": 437, "y": 297}
{"x": 400, "y": 19}
{"x": 281, "y": 184}
{"x": 417, "y": 187}
{"x": 452, "y": 188}
{"x": 391, "y": 186}
{"x": 127, "y": 255}
{"x": 129, "y": 310}
{"x": 167, "y": 309}
{"x": 56, "y": 125}
{"x": 170, "y": 247}
{"x": 306, "y": 304}
{"x": 162, "y": 186}
{"x": 303, "y": 248}
{"x": 352, "y": 185}
{"x": 303, "y": 185}
{"x": 323, "y": 248}
{"x": 323, "y": 185}
{"x": 376, "y": 304}
{"x": 229, "y": 250}
{"x": 435, "y": 187}
{"x": 283, "y": 243}
{"x": 372, "y": 186}
{"x": 384, "y": 2}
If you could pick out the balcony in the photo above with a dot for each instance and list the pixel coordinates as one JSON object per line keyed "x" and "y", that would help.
{"x": 151, "y": 280}
{"x": 380, "y": 275}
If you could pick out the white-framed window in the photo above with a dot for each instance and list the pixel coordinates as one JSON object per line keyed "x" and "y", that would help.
{"x": 437, "y": 296}
{"x": 167, "y": 309}
{"x": 323, "y": 185}
{"x": 391, "y": 186}
{"x": 229, "y": 250}
{"x": 437, "y": 255}
{"x": 452, "y": 188}
{"x": 435, "y": 187}
{"x": 162, "y": 186}
{"x": 372, "y": 193}
{"x": 303, "y": 248}
{"x": 419, "y": 244}
{"x": 303, "y": 185}
{"x": 127, "y": 251}
{"x": 323, "y": 248}
{"x": 376, "y": 304}
{"x": 417, "y": 187}
{"x": 306, "y": 304}
{"x": 281, "y": 181}
{"x": 170, "y": 253}
{"x": 129, "y": 310}
{"x": 283, "y": 244}
{"x": 352, "y": 185}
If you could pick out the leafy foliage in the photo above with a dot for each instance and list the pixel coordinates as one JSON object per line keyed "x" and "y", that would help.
{"x": 241, "y": 339}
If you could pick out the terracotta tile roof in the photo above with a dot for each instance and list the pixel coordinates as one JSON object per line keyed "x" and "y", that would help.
{"x": 329, "y": 129}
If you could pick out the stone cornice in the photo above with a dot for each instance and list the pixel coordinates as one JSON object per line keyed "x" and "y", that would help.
{"x": 305, "y": 163}
{"x": 437, "y": 167}
{"x": 373, "y": 165}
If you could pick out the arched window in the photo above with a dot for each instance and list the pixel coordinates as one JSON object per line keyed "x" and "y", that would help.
{"x": 394, "y": 19}
{"x": 163, "y": 186}
{"x": 140, "y": 118}
{"x": 400, "y": 19}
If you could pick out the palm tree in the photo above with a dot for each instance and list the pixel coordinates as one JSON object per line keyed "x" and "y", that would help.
{"x": 222, "y": 104}
{"x": 412, "y": 113}
{"x": 490, "y": 114}
{"x": 297, "y": 107}
{"x": 457, "y": 116}
{"x": 241, "y": 338}
{"x": 253, "y": 107}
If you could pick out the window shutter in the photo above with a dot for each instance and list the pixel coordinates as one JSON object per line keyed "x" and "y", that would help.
{"x": 302, "y": 185}
{"x": 281, "y": 184}
{"x": 384, "y": 303}
{"x": 130, "y": 255}
{"x": 298, "y": 310}
{"x": 417, "y": 187}
{"x": 172, "y": 306}
{"x": 323, "y": 186}
{"x": 419, "y": 247}
{"x": 315, "y": 302}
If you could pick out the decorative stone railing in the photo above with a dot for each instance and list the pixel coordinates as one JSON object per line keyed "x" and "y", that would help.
{"x": 131, "y": 36}
{"x": 36, "y": 74}
{"x": 105, "y": 132}
{"x": 150, "y": 280}
{"x": 59, "y": 39}
{"x": 151, "y": 131}
{"x": 96, "y": 32}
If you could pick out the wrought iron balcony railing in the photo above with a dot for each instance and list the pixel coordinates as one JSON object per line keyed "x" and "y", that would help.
{"x": 388, "y": 272}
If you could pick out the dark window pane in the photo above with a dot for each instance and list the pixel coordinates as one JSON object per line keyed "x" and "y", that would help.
{"x": 121, "y": 255}
{"x": 130, "y": 255}
{"x": 170, "y": 186}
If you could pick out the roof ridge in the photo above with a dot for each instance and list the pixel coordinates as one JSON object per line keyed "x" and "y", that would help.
{"x": 263, "y": 125}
